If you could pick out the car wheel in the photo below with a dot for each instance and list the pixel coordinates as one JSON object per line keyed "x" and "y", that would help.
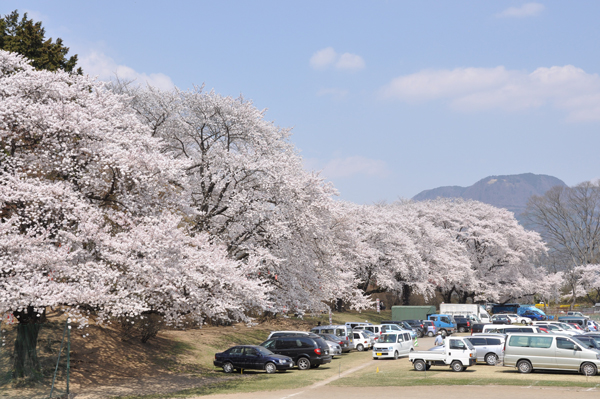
{"x": 524, "y": 367}
{"x": 419, "y": 365}
{"x": 360, "y": 348}
{"x": 270, "y": 368}
{"x": 396, "y": 355}
{"x": 430, "y": 334}
{"x": 228, "y": 367}
{"x": 457, "y": 366}
{"x": 589, "y": 369}
{"x": 303, "y": 363}
{"x": 461, "y": 329}
{"x": 491, "y": 359}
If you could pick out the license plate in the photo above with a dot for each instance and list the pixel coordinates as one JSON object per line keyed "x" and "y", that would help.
{"x": 379, "y": 354}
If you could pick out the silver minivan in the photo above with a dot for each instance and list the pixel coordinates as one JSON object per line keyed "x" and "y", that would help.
{"x": 528, "y": 352}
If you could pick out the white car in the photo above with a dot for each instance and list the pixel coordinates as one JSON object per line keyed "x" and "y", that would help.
{"x": 393, "y": 345}
{"x": 362, "y": 341}
{"x": 515, "y": 318}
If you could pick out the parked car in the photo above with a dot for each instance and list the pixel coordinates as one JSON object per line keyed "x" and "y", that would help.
{"x": 416, "y": 325}
{"x": 578, "y": 314}
{"x": 251, "y": 357}
{"x": 510, "y": 329}
{"x": 335, "y": 344}
{"x": 556, "y": 326}
{"x": 429, "y": 328}
{"x": 275, "y": 334}
{"x": 462, "y": 324}
{"x": 342, "y": 331}
{"x": 444, "y": 323}
{"x": 516, "y": 319}
{"x": 362, "y": 341}
{"x": 529, "y": 352}
{"x": 376, "y": 329}
{"x": 593, "y": 326}
{"x": 393, "y": 344}
{"x": 500, "y": 319}
{"x": 354, "y": 324}
{"x": 396, "y": 325}
{"x": 306, "y": 352}
{"x": 489, "y": 347}
{"x": 589, "y": 342}
{"x": 477, "y": 327}
{"x": 580, "y": 321}
{"x": 458, "y": 353}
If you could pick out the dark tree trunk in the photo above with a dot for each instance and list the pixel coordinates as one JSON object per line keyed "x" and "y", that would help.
{"x": 406, "y": 293}
{"x": 26, "y": 363}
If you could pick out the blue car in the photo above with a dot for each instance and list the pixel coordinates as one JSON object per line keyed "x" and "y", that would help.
{"x": 251, "y": 357}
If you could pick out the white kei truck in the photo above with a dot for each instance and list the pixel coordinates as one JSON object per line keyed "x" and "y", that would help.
{"x": 458, "y": 353}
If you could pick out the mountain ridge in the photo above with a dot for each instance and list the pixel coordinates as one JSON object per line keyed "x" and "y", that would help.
{"x": 504, "y": 191}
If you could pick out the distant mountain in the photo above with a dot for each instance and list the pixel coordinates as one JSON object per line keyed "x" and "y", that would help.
{"x": 510, "y": 191}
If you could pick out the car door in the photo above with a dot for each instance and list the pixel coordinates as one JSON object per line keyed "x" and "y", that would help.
{"x": 480, "y": 345}
{"x": 568, "y": 354}
{"x": 251, "y": 359}
{"x": 236, "y": 357}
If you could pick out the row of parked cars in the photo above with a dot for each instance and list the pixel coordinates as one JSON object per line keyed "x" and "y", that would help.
{"x": 286, "y": 349}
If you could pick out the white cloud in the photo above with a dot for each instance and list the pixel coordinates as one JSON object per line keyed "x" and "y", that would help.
{"x": 328, "y": 57}
{"x": 526, "y": 10}
{"x": 470, "y": 89}
{"x": 335, "y": 93}
{"x": 323, "y": 58}
{"x": 350, "y": 61}
{"x": 350, "y": 167}
{"x": 99, "y": 64}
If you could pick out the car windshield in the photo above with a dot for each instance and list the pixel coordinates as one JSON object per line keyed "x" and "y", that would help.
{"x": 469, "y": 344}
{"x": 263, "y": 351}
{"x": 387, "y": 339}
{"x": 566, "y": 326}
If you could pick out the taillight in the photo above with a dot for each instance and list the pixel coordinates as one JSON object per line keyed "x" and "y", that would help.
{"x": 318, "y": 351}
{"x": 468, "y": 324}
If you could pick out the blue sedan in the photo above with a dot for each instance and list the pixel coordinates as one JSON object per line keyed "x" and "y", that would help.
{"x": 252, "y": 357}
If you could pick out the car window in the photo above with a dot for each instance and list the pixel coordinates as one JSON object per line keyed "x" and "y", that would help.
{"x": 478, "y": 341}
{"x": 270, "y": 344}
{"x": 563, "y": 343}
{"x": 400, "y": 337}
{"x": 237, "y": 351}
{"x": 457, "y": 344}
{"x": 406, "y": 337}
{"x": 250, "y": 352}
{"x": 493, "y": 341}
{"x": 387, "y": 338}
{"x": 445, "y": 320}
{"x": 305, "y": 343}
{"x": 512, "y": 330}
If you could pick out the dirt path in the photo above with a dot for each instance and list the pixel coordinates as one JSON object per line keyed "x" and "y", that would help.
{"x": 447, "y": 392}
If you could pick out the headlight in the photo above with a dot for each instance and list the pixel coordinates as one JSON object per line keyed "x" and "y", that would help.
{"x": 598, "y": 356}
{"x": 391, "y": 348}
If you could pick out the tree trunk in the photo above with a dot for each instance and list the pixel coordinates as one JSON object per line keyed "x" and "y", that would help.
{"x": 26, "y": 363}
{"x": 406, "y": 292}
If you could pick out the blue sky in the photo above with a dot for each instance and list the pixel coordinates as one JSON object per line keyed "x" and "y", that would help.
{"x": 386, "y": 98}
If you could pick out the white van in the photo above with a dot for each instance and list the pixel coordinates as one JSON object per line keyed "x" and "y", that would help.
{"x": 528, "y": 352}
{"x": 393, "y": 345}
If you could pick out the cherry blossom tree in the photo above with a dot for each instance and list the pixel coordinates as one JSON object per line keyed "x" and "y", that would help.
{"x": 501, "y": 252}
{"x": 250, "y": 191}
{"x": 91, "y": 212}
